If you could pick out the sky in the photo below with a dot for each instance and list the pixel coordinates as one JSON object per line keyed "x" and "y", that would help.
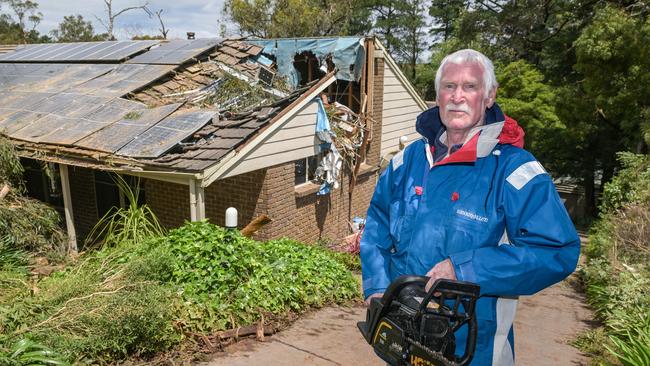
{"x": 203, "y": 17}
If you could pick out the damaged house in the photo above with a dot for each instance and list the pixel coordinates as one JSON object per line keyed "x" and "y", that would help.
{"x": 294, "y": 129}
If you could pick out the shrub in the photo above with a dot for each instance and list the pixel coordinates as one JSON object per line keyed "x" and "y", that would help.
{"x": 135, "y": 223}
{"x": 137, "y": 299}
{"x": 617, "y": 274}
{"x": 229, "y": 280}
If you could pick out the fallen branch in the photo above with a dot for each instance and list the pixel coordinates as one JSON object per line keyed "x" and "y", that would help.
{"x": 5, "y": 190}
{"x": 255, "y": 225}
{"x": 249, "y": 330}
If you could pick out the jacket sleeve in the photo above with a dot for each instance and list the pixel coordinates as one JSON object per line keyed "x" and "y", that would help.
{"x": 542, "y": 245}
{"x": 376, "y": 241}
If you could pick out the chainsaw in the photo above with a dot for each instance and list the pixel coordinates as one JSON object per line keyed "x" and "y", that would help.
{"x": 411, "y": 327}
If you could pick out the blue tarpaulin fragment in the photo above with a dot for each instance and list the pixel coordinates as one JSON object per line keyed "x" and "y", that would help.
{"x": 347, "y": 55}
{"x": 330, "y": 166}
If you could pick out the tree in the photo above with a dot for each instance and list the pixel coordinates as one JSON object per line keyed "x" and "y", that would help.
{"x": 26, "y": 10}
{"x": 444, "y": 13}
{"x": 74, "y": 28}
{"x": 294, "y": 18}
{"x": 524, "y": 96}
{"x": 162, "y": 29}
{"x": 387, "y": 22}
{"x": 112, "y": 15}
{"x": 411, "y": 32}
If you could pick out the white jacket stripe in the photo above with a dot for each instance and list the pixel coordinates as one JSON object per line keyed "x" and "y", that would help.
{"x": 522, "y": 175}
{"x": 502, "y": 354}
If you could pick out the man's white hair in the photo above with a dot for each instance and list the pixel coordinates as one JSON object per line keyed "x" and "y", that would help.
{"x": 468, "y": 56}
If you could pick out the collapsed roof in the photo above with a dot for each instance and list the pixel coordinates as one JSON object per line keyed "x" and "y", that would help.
{"x": 178, "y": 105}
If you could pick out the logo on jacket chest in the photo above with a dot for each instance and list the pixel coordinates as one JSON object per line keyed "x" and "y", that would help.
{"x": 471, "y": 215}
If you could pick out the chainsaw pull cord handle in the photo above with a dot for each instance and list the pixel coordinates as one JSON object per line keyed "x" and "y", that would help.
{"x": 468, "y": 304}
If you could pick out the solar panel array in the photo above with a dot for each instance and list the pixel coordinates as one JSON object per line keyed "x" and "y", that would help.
{"x": 166, "y": 134}
{"x": 45, "y": 97}
{"x": 175, "y": 52}
{"x": 108, "y": 51}
{"x": 129, "y": 126}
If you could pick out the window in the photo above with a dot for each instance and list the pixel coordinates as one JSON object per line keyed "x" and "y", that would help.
{"x": 108, "y": 194}
{"x": 39, "y": 185}
{"x": 306, "y": 169}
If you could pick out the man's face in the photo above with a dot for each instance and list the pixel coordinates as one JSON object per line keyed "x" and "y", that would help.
{"x": 461, "y": 96}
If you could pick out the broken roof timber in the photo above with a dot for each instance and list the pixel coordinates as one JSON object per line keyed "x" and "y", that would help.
{"x": 225, "y": 165}
{"x": 116, "y": 165}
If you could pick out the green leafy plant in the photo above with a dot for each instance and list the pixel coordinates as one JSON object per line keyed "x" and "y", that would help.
{"x": 11, "y": 171}
{"x": 229, "y": 280}
{"x": 134, "y": 223}
{"x": 27, "y": 352}
{"x": 617, "y": 271}
{"x": 11, "y": 258}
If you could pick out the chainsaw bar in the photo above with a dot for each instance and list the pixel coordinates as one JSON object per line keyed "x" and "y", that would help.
{"x": 434, "y": 358}
{"x": 409, "y": 326}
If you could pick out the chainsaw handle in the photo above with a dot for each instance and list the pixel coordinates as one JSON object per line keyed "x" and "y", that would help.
{"x": 470, "y": 345}
{"x": 462, "y": 293}
{"x": 396, "y": 286}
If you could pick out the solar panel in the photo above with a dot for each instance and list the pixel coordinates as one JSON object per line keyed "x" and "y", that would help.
{"x": 81, "y": 105}
{"x": 39, "y": 127}
{"x": 109, "y": 51}
{"x": 166, "y": 134}
{"x": 71, "y": 130}
{"x": 83, "y": 52}
{"x": 23, "y": 100}
{"x": 175, "y": 52}
{"x": 121, "y": 80}
{"x": 18, "y": 120}
{"x": 113, "y": 110}
{"x": 130, "y": 125}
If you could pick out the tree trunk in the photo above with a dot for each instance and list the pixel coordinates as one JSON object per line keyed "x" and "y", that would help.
{"x": 591, "y": 210}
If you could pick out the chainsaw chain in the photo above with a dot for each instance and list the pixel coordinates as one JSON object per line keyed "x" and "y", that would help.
{"x": 436, "y": 356}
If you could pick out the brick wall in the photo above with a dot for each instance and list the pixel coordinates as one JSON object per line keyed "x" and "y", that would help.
{"x": 169, "y": 201}
{"x": 308, "y": 217}
{"x": 84, "y": 204}
{"x": 372, "y": 157}
{"x": 246, "y": 192}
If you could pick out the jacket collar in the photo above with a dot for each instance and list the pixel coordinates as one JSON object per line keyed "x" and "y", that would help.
{"x": 498, "y": 129}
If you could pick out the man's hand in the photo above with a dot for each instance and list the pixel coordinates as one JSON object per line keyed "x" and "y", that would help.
{"x": 444, "y": 269}
{"x": 379, "y": 294}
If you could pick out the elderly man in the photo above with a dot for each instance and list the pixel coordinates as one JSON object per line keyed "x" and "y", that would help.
{"x": 467, "y": 202}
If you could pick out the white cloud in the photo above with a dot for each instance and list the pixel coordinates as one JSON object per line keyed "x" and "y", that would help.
{"x": 180, "y": 16}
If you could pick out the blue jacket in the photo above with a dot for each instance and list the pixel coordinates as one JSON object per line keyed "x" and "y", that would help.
{"x": 490, "y": 207}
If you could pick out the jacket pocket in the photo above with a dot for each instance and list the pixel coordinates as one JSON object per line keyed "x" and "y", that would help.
{"x": 401, "y": 233}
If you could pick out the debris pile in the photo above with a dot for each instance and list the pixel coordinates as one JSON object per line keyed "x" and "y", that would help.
{"x": 349, "y": 129}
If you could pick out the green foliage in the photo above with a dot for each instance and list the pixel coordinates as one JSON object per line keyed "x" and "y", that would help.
{"x": 630, "y": 185}
{"x": 617, "y": 274}
{"x": 132, "y": 224}
{"x": 31, "y": 225}
{"x": 593, "y": 343}
{"x": 11, "y": 258}
{"x": 27, "y": 352}
{"x": 524, "y": 96}
{"x": 14, "y": 30}
{"x": 424, "y": 82}
{"x": 138, "y": 299}
{"x": 293, "y": 18}
{"x": 25, "y": 223}
{"x": 612, "y": 54}
{"x": 108, "y": 306}
{"x": 11, "y": 171}
{"x": 230, "y": 280}
{"x": 75, "y": 29}
{"x": 237, "y": 95}
{"x": 444, "y": 14}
